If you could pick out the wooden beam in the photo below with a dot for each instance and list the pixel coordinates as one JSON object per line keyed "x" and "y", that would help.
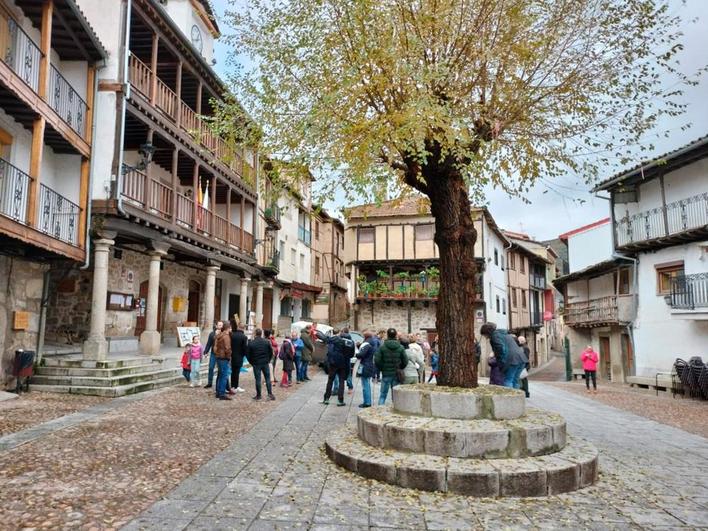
{"x": 83, "y": 199}
{"x": 175, "y": 179}
{"x": 90, "y": 100}
{"x": 45, "y": 47}
{"x": 196, "y": 185}
{"x": 35, "y": 169}
{"x": 72, "y": 34}
{"x": 148, "y": 174}
{"x": 30, "y": 235}
{"x": 153, "y": 68}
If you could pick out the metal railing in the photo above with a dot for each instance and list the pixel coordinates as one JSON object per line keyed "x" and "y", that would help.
{"x": 602, "y": 309}
{"x": 675, "y": 218}
{"x": 689, "y": 292}
{"x": 14, "y": 192}
{"x": 21, "y": 54}
{"x": 58, "y": 216}
{"x": 272, "y": 215}
{"x": 66, "y": 101}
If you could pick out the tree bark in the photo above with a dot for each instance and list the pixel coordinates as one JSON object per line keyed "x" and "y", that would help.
{"x": 455, "y": 237}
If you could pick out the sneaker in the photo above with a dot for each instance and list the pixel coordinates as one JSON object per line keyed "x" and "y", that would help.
{"x": 257, "y": 398}
{"x": 307, "y": 379}
{"x": 298, "y": 382}
{"x": 207, "y": 386}
{"x": 340, "y": 404}
{"x": 224, "y": 397}
{"x": 231, "y": 391}
{"x": 271, "y": 397}
{"x": 240, "y": 390}
{"x": 364, "y": 405}
{"x": 325, "y": 402}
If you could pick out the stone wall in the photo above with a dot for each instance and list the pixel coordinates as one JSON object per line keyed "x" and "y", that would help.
{"x": 379, "y": 315}
{"x": 20, "y": 290}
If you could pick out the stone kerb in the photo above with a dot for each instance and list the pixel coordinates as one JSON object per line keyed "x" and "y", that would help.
{"x": 484, "y": 402}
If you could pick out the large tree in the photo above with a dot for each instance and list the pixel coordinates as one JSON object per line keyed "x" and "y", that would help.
{"x": 445, "y": 97}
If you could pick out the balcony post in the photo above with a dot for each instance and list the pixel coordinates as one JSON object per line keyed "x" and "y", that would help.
{"x": 148, "y": 175}
{"x": 46, "y": 48}
{"x": 209, "y": 295}
{"x": 243, "y": 306}
{"x": 228, "y": 212}
{"x": 175, "y": 179}
{"x": 196, "y": 184}
{"x": 90, "y": 99}
{"x": 243, "y": 208}
{"x": 665, "y": 214}
{"x": 83, "y": 200}
{"x": 212, "y": 204}
{"x": 153, "y": 68}
{"x": 35, "y": 169}
{"x": 178, "y": 91}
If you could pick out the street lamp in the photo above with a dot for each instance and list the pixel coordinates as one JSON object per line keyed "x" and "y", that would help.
{"x": 146, "y": 152}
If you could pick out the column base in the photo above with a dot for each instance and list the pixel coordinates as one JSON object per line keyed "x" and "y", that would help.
{"x": 150, "y": 342}
{"x": 95, "y": 349}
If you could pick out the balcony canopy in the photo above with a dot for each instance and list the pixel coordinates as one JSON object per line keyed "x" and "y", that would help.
{"x": 73, "y": 37}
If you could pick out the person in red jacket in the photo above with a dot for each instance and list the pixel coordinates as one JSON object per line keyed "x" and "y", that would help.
{"x": 589, "y": 358}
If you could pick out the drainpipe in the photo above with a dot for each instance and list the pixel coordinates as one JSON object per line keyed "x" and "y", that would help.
{"x": 125, "y": 94}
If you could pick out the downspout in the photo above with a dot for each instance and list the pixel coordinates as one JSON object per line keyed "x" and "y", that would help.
{"x": 635, "y": 295}
{"x": 125, "y": 95}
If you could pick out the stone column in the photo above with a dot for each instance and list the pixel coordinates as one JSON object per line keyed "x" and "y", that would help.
{"x": 259, "y": 303}
{"x": 276, "y": 307}
{"x": 209, "y": 293}
{"x": 96, "y": 347}
{"x": 150, "y": 338}
{"x": 243, "y": 309}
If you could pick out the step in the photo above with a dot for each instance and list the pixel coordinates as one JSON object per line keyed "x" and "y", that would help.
{"x": 123, "y": 343}
{"x": 573, "y": 467}
{"x": 61, "y": 350}
{"x": 536, "y": 433}
{"x": 108, "y": 381}
{"x": 109, "y": 392}
{"x": 110, "y": 363}
{"x": 98, "y": 373}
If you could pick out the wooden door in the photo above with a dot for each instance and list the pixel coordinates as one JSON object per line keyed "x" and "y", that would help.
{"x": 268, "y": 309}
{"x": 193, "y": 302}
{"x": 628, "y": 352}
{"x": 605, "y": 365}
{"x": 140, "y": 322}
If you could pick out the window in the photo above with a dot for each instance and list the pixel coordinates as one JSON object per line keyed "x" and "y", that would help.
{"x": 366, "y": 235}
{"x": 498, "y": 304}
{"x": 317, "y": 265}
{"x": 665, "y": 274}
{"x": 502, "y": 261}
{"x": 496, "y": 257}
{"x": 512, "y": 261}
{"x": 513, "y": 298}
{"x": 523, "y": 299}
{"x": 293, "y": 254}
{"x": 317, "y": 230}
{"x": 522, "y": 264}
{"x": 623, "y": 288}
{"x": 302, "y": 262}
{"x": 282, "y": 251}
{"x": 504, "y": 305}
{"x": 423, "y": 233}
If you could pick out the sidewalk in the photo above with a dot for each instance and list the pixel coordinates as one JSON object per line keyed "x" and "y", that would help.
{"x": 276, "y": 476}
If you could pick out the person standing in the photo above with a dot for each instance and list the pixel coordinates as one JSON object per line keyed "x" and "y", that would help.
{"x": 222, "y": 351}
{"x": 524, "y": 382}
{"x": 259, "y": 352}
{"x": 209, "y": 350}
{"x": 366, "y": 366}
{"x": 287, "y": 355}
{"x": 434, "y": 365}
{"x": 390, "y": 358}
{"x": 590, "y": 358}
{"x": 196, "y": 351}
{"x": 508, "y": 354}
{"x": 299, "y": 345}
{"x": 307, "y": 350}
{"x": 239, "y": 345}
{"x": 270, "y": 336}
{"x": 340, "y": 351}
{"x": 414, "y": 355}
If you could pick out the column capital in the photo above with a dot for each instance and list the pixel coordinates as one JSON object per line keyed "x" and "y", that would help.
{"x": 159, "y": 247}
{"x": 245, "y": 280}
{"x": 105, "y": 234}
{"x": 261, "y": 283}
{"x": 211, "y": 270}
{"x": 157, "y": 255}
{"x": 103, "y": 244}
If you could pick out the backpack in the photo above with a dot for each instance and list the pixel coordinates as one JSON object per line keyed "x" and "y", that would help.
{"x": 284, "y": 355}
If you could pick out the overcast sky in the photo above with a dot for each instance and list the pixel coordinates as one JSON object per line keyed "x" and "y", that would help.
{"x": 552, "y": 209}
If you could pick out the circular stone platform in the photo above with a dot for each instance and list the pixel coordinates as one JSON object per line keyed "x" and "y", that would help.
{"x": 536, "y": 433}
{"x": 484, "y": 402}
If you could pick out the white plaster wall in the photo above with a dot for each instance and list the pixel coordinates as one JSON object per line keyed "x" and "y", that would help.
{"x": 288, "y": 234}
{"x": 659, "y": 338}
{"x": 105, "y": 18}
{"x": 687, "y": 181}
{"x": 103, "y": 146}
{"x": 649, "y": 197}
{"x": 495, "y": 278}
{"x": 184, "y": 15}
{"x": 231, "y": 285}
{"x": 590, "y": 247}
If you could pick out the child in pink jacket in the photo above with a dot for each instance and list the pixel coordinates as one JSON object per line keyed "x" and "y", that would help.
{"x": 195, "y": 351}
{"x": 590, "y": 358}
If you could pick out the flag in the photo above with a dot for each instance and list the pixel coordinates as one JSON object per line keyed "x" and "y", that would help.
{"x": 200, "y": 197}
{"x": 205, "y": 202}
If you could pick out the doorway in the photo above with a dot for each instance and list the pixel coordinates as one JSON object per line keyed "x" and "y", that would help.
{"x": 628, "y": 354}
{"x": 234, "y": 305}
{"x": 268, "y": 309}
{"x": 605, "y": 365}
{"x": 140, "y": 322}
{"x": 193, "y": 301}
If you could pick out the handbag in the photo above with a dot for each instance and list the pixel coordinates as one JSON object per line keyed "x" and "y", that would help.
{"x": 400, "y": 375}
{"x": 524, "y": 374}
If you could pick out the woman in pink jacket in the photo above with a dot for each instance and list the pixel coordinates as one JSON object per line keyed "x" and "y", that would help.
{"x": 590, "y": 358}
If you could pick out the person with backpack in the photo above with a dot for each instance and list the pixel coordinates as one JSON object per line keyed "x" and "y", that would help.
{"x": 287, "y": 355}
{"x": 390, "y": 359}
{"x": 509, "y": 355}
{"x": 340, "y": 351}
{"x": 366, "y": 366}
{"x": 307, "y": 349}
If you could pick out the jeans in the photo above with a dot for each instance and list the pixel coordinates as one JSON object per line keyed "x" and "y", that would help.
{"x": 302, "y": 370}
{"x": 186, "y": 373}
{"x": 212, "y": 365}
{"x": 341, "y": 373}
{"x": 593, "y": 375}
{"x": 350, "y": 384}
{"x": 386, "y": 382}
{"x": 194, "y": 377}
{"x": 366, "y": 390}
{"x": 298, "y": 362}
{"x": 222, "y": 377}
{"x": 236, "y": 363}
{"x": 511, "y": 375}
{"x": 265, "y": 370}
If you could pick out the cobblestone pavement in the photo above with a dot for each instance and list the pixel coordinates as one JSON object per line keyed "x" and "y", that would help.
{"x": 276, "y": 476}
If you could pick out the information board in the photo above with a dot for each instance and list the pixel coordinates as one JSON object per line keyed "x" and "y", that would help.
{"x": 186, "y": 333}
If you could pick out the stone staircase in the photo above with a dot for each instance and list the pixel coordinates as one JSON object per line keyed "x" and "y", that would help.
{"x": 116, "y": 376}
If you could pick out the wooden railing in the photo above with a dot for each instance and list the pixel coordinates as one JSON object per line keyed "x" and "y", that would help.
{"x": 134, "y": 185}
{"x": 221, "y": 228}
{"x": 203, "y": 220}
{"x": 166, "y": 99}
{"x": 592, "y": 311}
{"x": 247, "y": 242}
{"x": 161, "y": 198}
{"x": 140, "y": 75}
{"x": 185, "y": 210}
{"x": 189, "y": 121}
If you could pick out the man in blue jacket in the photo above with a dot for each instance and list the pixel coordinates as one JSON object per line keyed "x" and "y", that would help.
{"x": 507, "y": 352}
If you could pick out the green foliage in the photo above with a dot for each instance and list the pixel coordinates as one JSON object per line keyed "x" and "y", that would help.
{"x": 389, "y": 95}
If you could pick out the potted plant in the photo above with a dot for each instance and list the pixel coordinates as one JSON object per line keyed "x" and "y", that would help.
{"x": 364, "y": 286}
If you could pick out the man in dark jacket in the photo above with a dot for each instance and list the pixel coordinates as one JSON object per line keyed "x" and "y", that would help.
{"x": 239, "y": 344}
{"x": 339, "y": 351}
{"x": 390, "y": 357}
{"x": 307, "y": 350}
{"x": 259, "y": 353}
{"x": 209, "y": 349}
{"x": 366, "y": 363}
{"x": 508, "y": 353}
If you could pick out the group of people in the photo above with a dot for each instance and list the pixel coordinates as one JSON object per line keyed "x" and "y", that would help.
{"x": 509, "y": 363}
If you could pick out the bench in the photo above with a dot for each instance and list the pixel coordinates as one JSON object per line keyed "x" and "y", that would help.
{"x": 578, "y": 373}
{"x": 662, "y": 381}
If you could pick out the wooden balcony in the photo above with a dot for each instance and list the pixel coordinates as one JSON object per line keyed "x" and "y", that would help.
{"x": 179, "y": 113}
{"x": 612, "y": 309}
{"x": 677, "y": 222}
{"x": 156, "y": 198}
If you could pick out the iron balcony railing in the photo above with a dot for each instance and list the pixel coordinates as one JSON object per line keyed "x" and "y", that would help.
{"x": 21, "y": 54}
{"x": 14, "y": 192}
{"x": 66, "y": 101}
{"x": 689, "y": 292}
{"x": 675, "y": 218}
{"x": 272, "y": 216}
{"x": 58, "y": 216}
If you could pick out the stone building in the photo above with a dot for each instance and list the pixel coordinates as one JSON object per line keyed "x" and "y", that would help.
{"x": 47, "y": 149}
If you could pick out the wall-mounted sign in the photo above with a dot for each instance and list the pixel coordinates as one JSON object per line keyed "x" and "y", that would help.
{"x": 179, "y": 304}
{"x": 20, "y": 320}
{"x": 119, "y": 301}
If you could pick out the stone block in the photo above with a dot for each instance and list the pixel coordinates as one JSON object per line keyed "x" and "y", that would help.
{"x": 539, "y": 440}
{"x": 406, "y": 434}
{"x": 371, "y": 431}
{"x": 488, "y": 440}
{"x": 506, "y": 406}
{"x": 378, "y": 469}
{"x": 422, "y": 472}
{"x": 455, "y": 405}
{"x": 472, "y": 478}
{"x": 520, "y": 477}
{"x": 407, "y": 400}
{"x": 561, "y": 475}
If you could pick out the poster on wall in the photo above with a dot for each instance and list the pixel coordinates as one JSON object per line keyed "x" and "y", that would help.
{"x": 186, "y": 333}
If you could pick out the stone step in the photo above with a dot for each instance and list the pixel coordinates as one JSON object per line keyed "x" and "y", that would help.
{"x": 60, "y": 350}
{"x": 573, "y": 467}
{"x": 110, "y": 363}
{"x": 94, "y": 372}
{"x": 110, "y": 392}
{"x": 536, "y": 433}
{"x": 109, "y": 380}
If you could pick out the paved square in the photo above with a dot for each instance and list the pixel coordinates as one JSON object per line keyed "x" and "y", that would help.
{"x": 277, "y": 476}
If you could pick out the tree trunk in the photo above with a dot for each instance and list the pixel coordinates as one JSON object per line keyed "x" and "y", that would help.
{"x": 455, "y": 236}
